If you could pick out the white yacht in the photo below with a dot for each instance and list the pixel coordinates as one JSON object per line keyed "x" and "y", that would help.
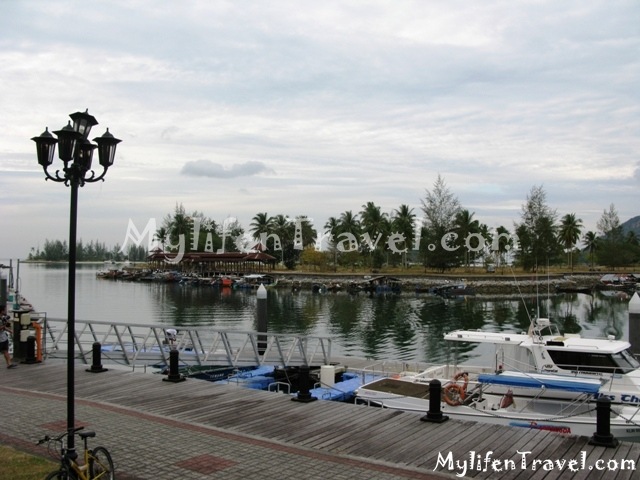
{"x": 544, "y": 350}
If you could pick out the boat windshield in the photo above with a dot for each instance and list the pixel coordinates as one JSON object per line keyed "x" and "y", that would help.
{"x": 625, "y": 357}
{"x": 621, "y": 362}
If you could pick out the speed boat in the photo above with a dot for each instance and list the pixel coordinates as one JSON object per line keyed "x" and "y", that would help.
{"x": 478, "y": 401}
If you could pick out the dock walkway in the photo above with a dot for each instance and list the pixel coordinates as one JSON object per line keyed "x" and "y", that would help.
{"x": 196, "y": 430}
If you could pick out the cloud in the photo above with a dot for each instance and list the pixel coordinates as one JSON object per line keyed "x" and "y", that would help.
{"x": 348, "y": 102}
{"x": 207, "y": 168}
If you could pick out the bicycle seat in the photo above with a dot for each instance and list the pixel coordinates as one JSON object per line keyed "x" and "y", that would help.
{"x": 84, "y": 435}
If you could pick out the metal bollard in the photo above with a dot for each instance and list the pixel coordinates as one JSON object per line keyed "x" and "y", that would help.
{"x": 434, "y": 414}
{"x": 174, "y": 373}
{"x": 304, "y": 395}
{"x": 96, "y": 363}
{"x": 31, "y": 350}
{"x": 602, "y": 437}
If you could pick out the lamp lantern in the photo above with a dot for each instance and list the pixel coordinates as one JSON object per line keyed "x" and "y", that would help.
{"x": 82, "y": 122}
{"x": 106, "y": 148}
{"x": 67, "y": 139}
{"x": 85, "y": 155}
{"x": 45, "y": 148}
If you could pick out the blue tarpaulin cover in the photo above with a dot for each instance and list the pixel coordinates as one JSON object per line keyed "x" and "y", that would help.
{"x": 539, "y": 380}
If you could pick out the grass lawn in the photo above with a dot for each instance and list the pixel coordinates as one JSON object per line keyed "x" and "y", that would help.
{"x": 17, "y": 465}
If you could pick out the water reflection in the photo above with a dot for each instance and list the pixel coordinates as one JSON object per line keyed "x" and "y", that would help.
{"x": 408, "y": 327}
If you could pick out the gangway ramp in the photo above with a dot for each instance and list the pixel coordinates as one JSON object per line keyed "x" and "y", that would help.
{"x": 145, "y": 344}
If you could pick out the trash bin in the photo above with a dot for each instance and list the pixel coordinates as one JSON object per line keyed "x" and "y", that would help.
{"x": 21, "y": 331}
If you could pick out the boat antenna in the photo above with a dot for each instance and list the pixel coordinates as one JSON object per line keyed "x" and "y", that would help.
{"x": 521, "y": 295}
{"x": 537, "y": 293}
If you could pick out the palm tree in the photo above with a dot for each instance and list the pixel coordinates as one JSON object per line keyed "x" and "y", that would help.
{"x": 161, "y": 235}
{"x": 281, "y": 226}
{"x": 374, "y": 224}
{"x": 332, "y": 227}
{"x": 403, "y": 223}
{"x": 464, "y": 226}
{"x": 261, "y": 223}
{"x": 349, "y": 223}
{"x": 307, "y": 232}
{"x": 590, "y": 240}
{"x": 181, "y": 227}
{"x": 503, "y": 245}
{"x": 570, "y": 229}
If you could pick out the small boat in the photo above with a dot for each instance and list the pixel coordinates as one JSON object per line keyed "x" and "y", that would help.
{"x": 382, "y": 285}
{"x": 451, "y": 290}
{"x": 614, "y": 281}
{"x": 573, "y": 287}
{"x": 544, "y": 350}
{"x": 473, "y": 401}
{"x": 253, "y": 281}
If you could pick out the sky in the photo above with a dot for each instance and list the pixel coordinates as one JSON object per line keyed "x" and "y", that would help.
{"x": 232, "y": 108}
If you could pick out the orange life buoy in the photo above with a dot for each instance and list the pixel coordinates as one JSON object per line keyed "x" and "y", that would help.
{"x": 454, "y": 394}
{"x": 464, "y": 376}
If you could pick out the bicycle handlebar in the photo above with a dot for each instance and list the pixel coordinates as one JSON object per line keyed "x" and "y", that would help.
{"x": 47, "y": 438}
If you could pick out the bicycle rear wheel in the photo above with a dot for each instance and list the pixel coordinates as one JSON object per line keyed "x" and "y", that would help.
{"x": 101, "y": 466}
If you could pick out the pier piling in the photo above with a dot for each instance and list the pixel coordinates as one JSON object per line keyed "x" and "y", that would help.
{"x": 96, "y": 360}
{"x": 174, "y": 373}
{"x": 602, "y": 437}
{"x": 434, "y": 415}
{"x": 304, "y": 394}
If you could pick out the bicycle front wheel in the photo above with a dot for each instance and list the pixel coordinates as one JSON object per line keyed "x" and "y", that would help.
{"x": 101, "y": 466}
{"x": 58, "y": 475}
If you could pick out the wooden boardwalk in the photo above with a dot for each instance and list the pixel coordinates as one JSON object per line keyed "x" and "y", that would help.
{"x": 351, "y": 431}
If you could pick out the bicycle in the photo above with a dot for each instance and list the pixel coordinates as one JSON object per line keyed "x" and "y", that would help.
{"x": 96, "y": 465}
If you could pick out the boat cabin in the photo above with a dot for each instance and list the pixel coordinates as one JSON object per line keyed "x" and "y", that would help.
{"x": 544, "y": 349}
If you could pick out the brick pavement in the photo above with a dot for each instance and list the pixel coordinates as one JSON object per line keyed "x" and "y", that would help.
{"x": 146, "y": 446}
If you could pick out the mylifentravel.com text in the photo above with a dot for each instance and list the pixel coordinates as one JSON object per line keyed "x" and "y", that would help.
{"x": 343, "y": 242}
{"x": 479, "y": 462}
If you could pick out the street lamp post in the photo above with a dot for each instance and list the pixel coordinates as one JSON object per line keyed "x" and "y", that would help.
{"x": 76, "y": 152}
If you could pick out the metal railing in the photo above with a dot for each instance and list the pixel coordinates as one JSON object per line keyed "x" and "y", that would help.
{"x": 144, "y": 344}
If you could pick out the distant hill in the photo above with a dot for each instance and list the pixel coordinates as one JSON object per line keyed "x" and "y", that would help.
{"x": 633, "y": 225}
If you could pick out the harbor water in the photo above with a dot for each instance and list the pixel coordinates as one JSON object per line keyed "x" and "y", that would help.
{"x": 406, "y": 327}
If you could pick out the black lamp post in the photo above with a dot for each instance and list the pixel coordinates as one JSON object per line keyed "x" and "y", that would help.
{"x": 76, "y": 153}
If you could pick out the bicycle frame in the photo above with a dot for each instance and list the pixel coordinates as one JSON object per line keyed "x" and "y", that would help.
{"x": 71, "y": 469}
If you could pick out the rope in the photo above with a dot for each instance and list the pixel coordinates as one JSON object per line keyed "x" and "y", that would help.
{"x": 628, "y": 420}
{"x": 550, "y": 419}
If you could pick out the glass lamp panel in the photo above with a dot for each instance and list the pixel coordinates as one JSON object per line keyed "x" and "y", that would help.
{"x": 67, "y": 139}
{"x": 82, "y": 123}
{"x": 85, "y": 155}
{"x": 106, "y": 148}
{"x": 45, "y": 148}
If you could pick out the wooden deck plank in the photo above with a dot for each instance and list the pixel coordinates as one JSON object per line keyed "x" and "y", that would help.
{"x": 328, "y": 430}
{"x": 535, "y": 446}
{"x": 347, "y": 429}
{"x": 417, "y": 445}
{"x": 369, "y": 432}
{"x": 310, "y": 432}
{"x": 478, "y": 440}
{"x": 403, "y": 429}
{"x": 563, "y": 451}
{"x": 632, "y": 453}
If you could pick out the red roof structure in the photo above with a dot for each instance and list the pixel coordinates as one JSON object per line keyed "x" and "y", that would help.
{"x": 209, "y": 262}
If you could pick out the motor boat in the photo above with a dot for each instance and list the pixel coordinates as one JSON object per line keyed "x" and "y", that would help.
{"x": 478, "y": 401}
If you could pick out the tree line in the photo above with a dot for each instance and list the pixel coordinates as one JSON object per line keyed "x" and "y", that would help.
{"x": 94, "y": 251}
{"x": 441, "y": 236}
